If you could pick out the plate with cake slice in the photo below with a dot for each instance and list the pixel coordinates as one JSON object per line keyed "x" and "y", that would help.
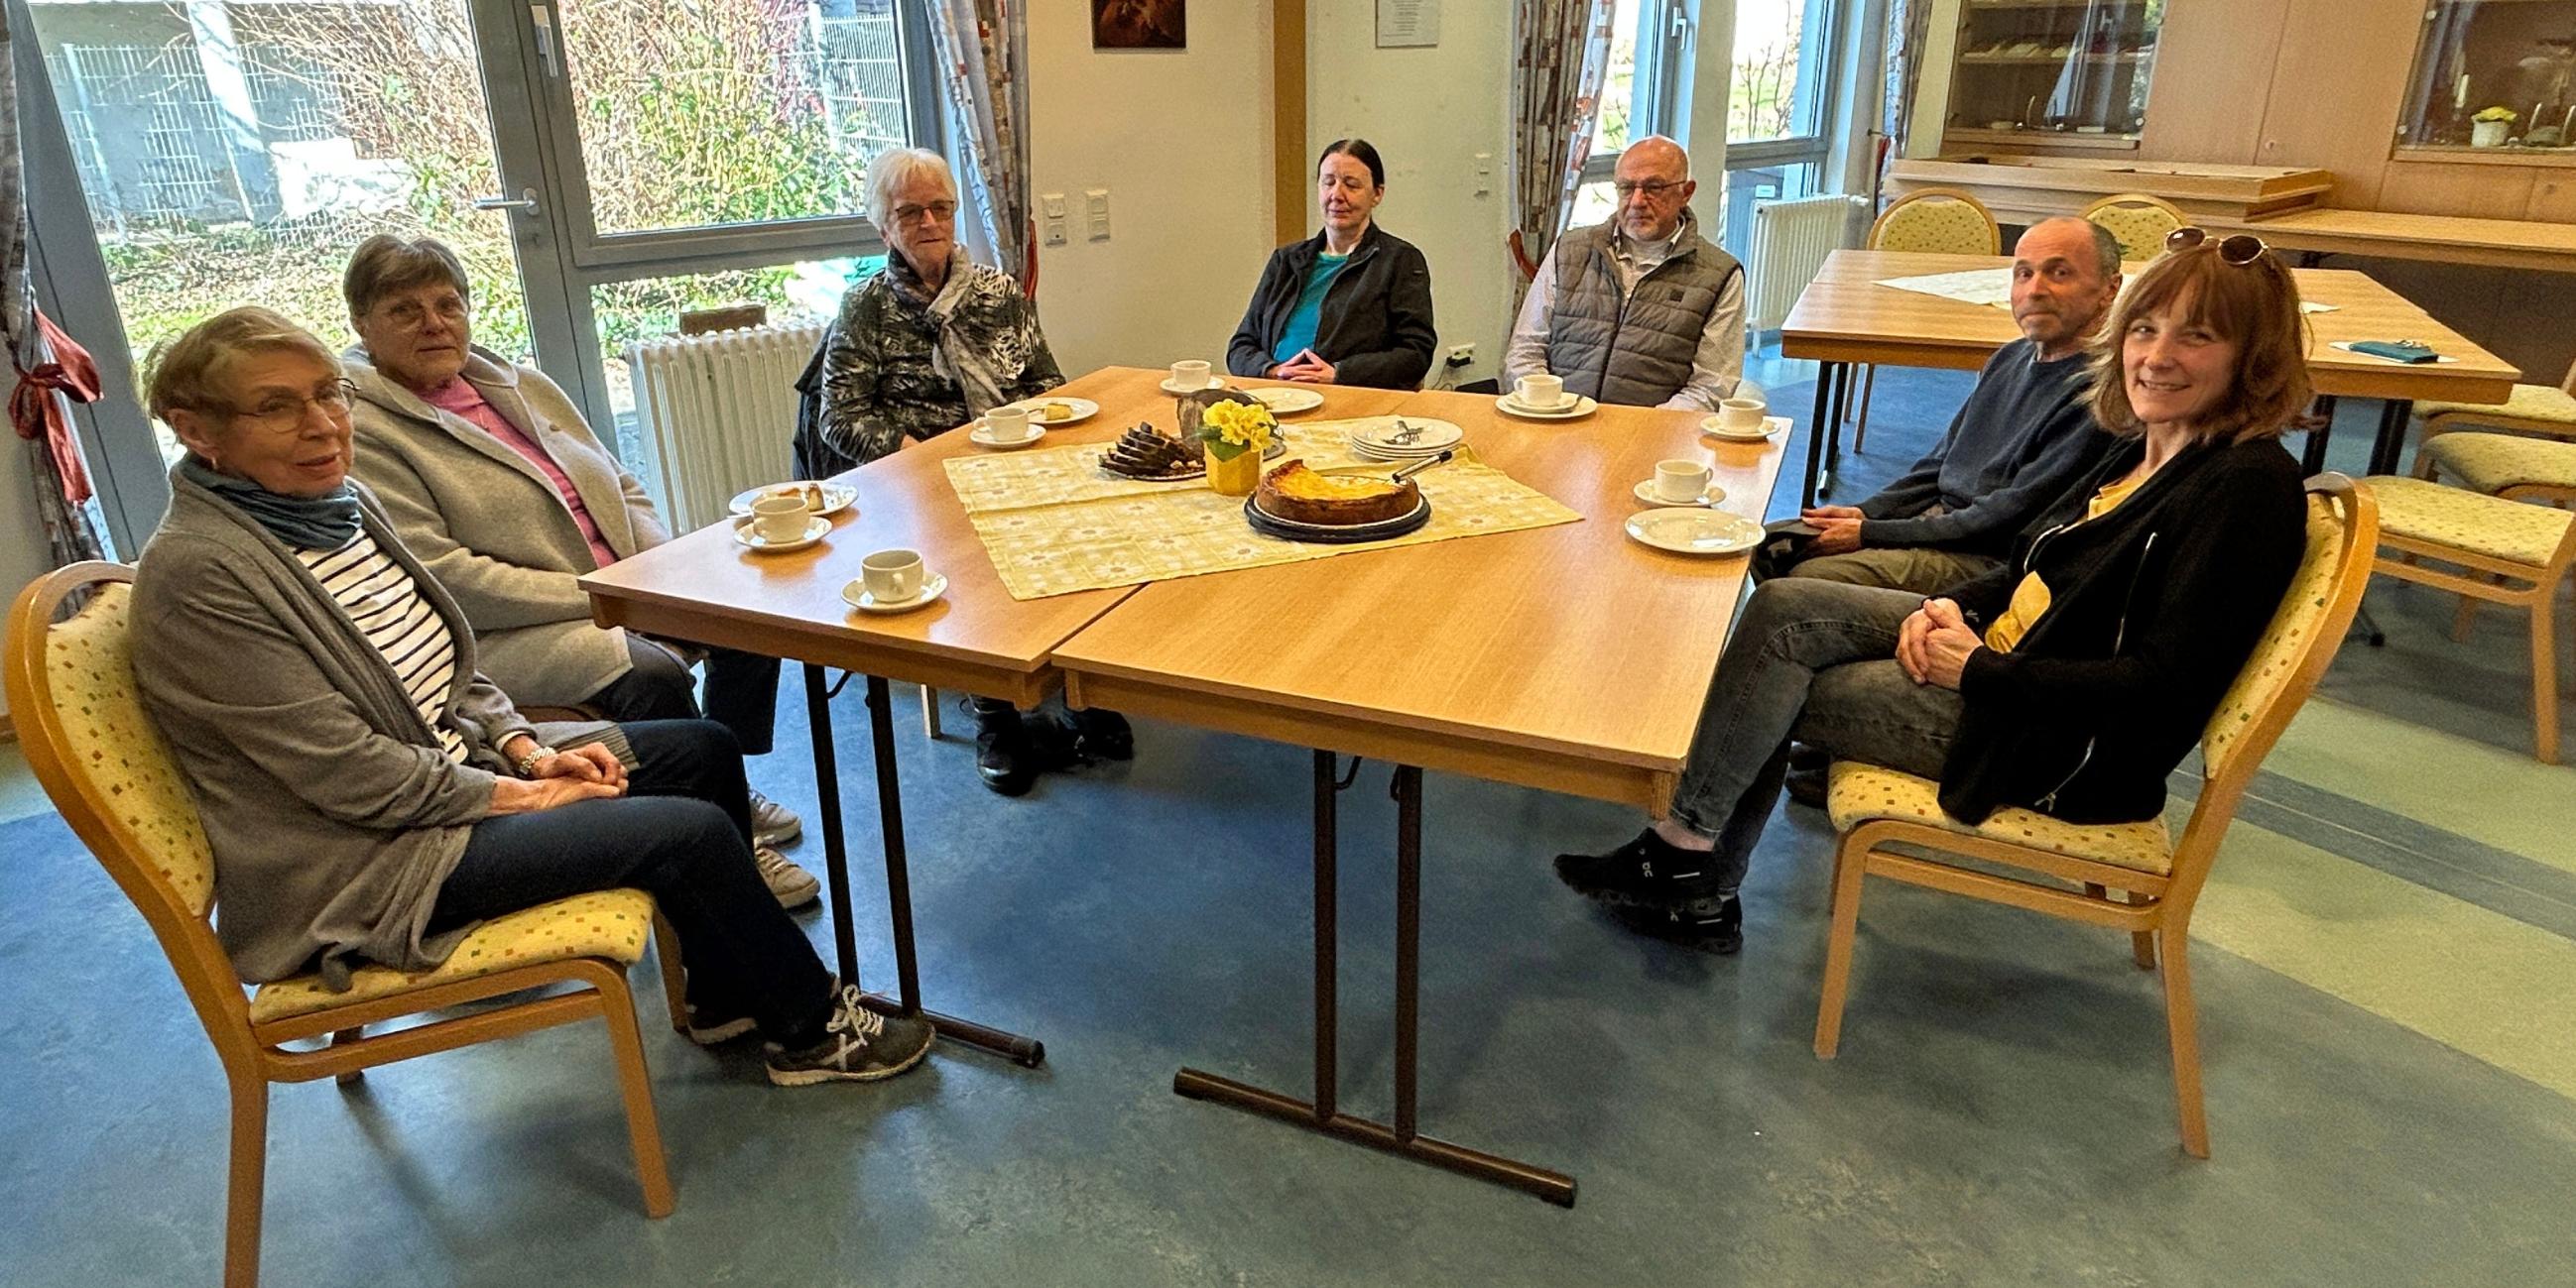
{"x": 1295, "y": 503}
{"x": 1054, "y": 410}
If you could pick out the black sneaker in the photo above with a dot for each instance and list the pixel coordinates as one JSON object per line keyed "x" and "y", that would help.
{"x": 1648, "y": 869}
{"x": 1104, "y": 735}
{"x": 709, "y": 1026}
{"x": 1003, "y": 757}
{"x": 1807, "y": 786}
{"x": 858, "y": 1045}
{"x": 1707, "y": 920}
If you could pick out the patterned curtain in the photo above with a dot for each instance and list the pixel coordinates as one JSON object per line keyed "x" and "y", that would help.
{"x": 982, "y": 47}
{"x": 1561, "y": 56}
{"x": 48, "y": 364}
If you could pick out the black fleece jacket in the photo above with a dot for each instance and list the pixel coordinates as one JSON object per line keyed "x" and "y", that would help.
{"x": 2153, "y": 609}
{"x": 1375, "y": 322}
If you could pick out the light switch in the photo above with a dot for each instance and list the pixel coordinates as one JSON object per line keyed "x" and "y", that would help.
{"x": 1096, "y": 201}
{"x": 1053, "y": 204}
{"x": 1484, "y": 173}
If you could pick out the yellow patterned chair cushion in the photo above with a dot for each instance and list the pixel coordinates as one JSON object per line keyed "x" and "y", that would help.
{"x": 2529, "y": 402}
{"x": 2493, "y": 462}
{"x": 611, "y": 924}
{"x": 2276, "y": 657}
{"x": 2141, "y": 230}
{"x": 1857, "y": 793}
{"x": 2517, "y": 531}
{"x": 1936, "y": 225}
{"x": 90, "y": 672}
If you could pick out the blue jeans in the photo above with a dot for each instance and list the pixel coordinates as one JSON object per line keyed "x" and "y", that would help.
{"x": 1812, "y": 660}
{"x": 681, "y": 834}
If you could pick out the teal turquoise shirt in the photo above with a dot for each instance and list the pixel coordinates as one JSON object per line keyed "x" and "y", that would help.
{"x": 1300, "y": 333}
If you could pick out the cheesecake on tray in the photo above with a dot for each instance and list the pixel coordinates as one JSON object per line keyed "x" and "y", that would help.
{"x": 1300, "y": 495}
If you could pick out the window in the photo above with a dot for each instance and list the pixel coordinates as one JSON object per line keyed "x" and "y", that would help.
{"x": 1649, "y": 39}
{"x": 1778, "y": 110}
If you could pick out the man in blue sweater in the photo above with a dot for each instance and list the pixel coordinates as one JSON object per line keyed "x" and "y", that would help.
{"x": 2021, "y": 437}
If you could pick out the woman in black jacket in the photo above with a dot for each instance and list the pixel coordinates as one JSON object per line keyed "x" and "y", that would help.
{"x": 1350, "y": 305}
{"x": 2070, "y": 681}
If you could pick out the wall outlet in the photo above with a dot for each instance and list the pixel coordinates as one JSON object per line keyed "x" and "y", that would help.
{"x": 1461, "y": 354}
{"x": 1055, "y": 232}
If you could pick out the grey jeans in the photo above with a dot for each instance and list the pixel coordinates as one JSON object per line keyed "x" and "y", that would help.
{"x": 1814, "y": 660}
{"x": 1920, "y": 569}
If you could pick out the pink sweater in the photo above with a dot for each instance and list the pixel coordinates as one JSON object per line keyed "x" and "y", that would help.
{"x": 463, "y": 399}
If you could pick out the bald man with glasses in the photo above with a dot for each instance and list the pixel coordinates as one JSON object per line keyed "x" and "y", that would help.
{"x": 1641, "y": 310}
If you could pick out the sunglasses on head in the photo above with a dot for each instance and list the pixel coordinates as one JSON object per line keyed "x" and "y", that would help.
{"x": 2239, "y": 249}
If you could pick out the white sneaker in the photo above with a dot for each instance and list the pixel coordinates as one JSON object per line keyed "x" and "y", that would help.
{"x": 772, "y": 824}
{"x": 792, "y": 886}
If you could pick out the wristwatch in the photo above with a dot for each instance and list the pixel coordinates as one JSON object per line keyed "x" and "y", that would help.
{"x": 527, "y": 764}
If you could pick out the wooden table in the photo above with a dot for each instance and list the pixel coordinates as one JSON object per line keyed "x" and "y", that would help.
{"x": 705, "y": 588}
{"x": 1567, "y": 658}
{"x": 2446, "y": 239}
{"x": 1845, "y": 317}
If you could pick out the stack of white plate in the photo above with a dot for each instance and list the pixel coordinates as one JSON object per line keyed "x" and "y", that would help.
{"x": 1406, "y": 438}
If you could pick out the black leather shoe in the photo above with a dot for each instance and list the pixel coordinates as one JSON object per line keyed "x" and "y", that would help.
{"x": 1646, "y": 870}
{"x": 1807, "y": 786}
{"x": 1103, "y": 735}
{"x": 1706, "y": 921}
{"x": 1002, "y": 755}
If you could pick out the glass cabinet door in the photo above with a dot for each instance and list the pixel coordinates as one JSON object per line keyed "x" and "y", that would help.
{"x": 2502, "y": 76}
{"x": 2073, "y": 72}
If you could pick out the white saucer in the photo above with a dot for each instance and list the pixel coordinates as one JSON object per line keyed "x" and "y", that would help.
{"x": 1214, "y": 382}
{"x": 1714, "y": 428}
{"x": 1429, "y": 437}
{"x": 982, "y": 436}
{"x": 932, "y": 587}
{"x": 750, "y": 540}
{"x": 1511, "y": 405}
{"x": 1287, "y": 402}
{"x": 1691, "y": 530}
{"x": 836, "y": 497}
{"x": 1082, "y": 408}
{"x": 1646, "y": 492}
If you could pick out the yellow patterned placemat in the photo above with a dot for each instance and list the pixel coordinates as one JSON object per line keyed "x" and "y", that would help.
{"x": 1055, "y": 527}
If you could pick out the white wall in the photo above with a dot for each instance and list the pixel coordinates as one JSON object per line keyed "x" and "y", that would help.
{"x": 1181, "y": 139}
{"x": 1430, "y": 112}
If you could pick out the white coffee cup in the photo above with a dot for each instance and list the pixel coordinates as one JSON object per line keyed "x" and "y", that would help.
{"x": 1540, "y": 390}
{"x": 1189, "y": 375}
{"x": 1007, "y": 424}
{"x": 892, "y": 575}
{"x": 779, "y": 516}
{"x": 1743, "y": 415}
{"x": 1681, "y": 481}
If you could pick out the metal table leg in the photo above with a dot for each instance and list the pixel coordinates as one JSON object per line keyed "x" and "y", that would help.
{"x": 1321, "y": 1115}
{"x": 2390, "y": 444}
{"x": 2312, "y": 459}
{"x": 1817, "y": 427}
{"x": 836, "y": 862}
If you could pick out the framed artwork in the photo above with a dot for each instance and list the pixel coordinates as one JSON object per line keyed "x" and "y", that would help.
{"x": 1140, "y": 24}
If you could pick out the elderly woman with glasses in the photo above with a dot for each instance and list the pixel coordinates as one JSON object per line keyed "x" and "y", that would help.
{"x": 368, "y": 794}
{"x": 497, "y": 483}
{"x": 2070, "y": 679}
{"x": 923, "y": 348}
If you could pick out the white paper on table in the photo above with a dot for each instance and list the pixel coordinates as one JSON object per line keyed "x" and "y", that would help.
{"x": 2346, "y": 346}
{"x": 1990, "y": 286}
{"x": 2310, "y": 306}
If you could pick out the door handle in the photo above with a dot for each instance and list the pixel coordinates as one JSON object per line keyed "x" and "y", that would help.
{"x": 525, "y": 203}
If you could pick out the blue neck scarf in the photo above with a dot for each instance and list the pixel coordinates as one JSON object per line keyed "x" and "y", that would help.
{"x": 325, "y": 522}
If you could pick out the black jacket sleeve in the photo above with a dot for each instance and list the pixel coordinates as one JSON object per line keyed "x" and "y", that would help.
{"x": 1249, "y": 353}
{"x": 1410, "y": 334}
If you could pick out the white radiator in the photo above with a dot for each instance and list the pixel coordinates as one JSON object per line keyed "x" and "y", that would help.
{"x": 1790, "y": 242}
{"x": 716, "y": 412}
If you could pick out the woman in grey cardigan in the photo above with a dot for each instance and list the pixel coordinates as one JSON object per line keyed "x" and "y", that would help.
{"x": 367, "y": 793}
{"x": 495, "y": 482}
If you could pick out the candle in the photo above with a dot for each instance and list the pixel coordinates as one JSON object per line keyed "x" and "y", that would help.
{"x": 2460, "y": 95}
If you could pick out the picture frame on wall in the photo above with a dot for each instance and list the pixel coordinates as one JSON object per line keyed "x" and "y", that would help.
{"x": 1140, "y": 24}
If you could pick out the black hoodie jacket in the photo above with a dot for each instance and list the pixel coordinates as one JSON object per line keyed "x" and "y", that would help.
{"x": 2153, "y": 609}
{"x": 1375, "y": 322}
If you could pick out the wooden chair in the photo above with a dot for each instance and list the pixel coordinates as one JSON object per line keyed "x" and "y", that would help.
{"x": 71, "y": 688}
{"x": 2511, "y": 552}
{"x": 1944, "y": 221}
{"x": 1876, "y": 808}
{"x": 2138, "y": 221}
{"x": 2487, "y": 465}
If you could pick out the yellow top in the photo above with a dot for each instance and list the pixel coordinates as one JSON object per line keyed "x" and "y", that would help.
{"x": 2030, "y": 598}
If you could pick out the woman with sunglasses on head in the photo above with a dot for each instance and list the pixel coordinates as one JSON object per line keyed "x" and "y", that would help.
{"x": 2071, "y": 679}
{"x": 1350, "y": 305}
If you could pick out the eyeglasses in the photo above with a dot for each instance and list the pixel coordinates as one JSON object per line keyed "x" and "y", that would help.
{"x": 411, "y": 316}
{"x": 1654, "y": 188}
{"x": 2239, "y": 249}
{"x": 283, "y": 413}
{"x": 935, "y": 210}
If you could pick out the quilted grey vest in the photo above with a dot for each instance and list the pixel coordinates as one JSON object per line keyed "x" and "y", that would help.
{"x": 1635, "y": 351}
